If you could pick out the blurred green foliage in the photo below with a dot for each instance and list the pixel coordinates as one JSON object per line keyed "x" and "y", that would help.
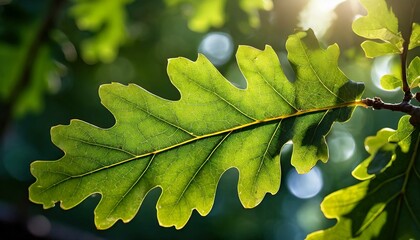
{"x": 18, "y": 32}
{"x": 151, "y": 32}
{"x": 205, "y": 14}
{"x": 107, "y": 20}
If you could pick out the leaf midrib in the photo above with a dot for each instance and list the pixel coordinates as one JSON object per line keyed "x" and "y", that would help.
{"x": 267, "y": 120}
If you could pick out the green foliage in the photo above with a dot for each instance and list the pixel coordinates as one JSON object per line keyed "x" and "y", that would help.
{"x": 390, "y": 82}
{"x": 202, "y": 15}
{"x": 415, "y": 36}
{"x": 383, "y": 206}
{"x": 31, "y": 100}
{"x": 205, "y": 14}
{"x": 381, "y": 155}
{"x": 25, "y": 63}
{"x": 379, "y": 24}
{"x": 16, "y": 53}
{"x": 413, "y": 73}
{"x": 184, "y": 146}
{"x": 251, "y": 7}
{"x": 109, "y": 30}
{"x": 106, "y": 19}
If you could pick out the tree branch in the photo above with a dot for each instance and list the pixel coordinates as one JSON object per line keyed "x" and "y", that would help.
{"x": 23, "y": 80}
{"x": 406, "y": 88}
{"x": 405, "y": 107}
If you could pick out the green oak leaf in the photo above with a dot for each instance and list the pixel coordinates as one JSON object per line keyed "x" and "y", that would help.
{"x": 379, "y": 24}
{"x": 415, "y": 36}
{"x": 183, "y": 147}
{"x": 204, "y": 14}
{"x": 109, "y": 29}
{"x": 390, "y": 82}
{"x": 384, "y": 206}
{"x": 374, "y": 49}
{"x": 413, "y": 73}
{"x": 382, "y": 153}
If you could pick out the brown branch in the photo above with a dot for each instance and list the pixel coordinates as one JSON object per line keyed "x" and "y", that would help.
{"x": 406, "y": 88}
{"x": 23, "y": 80}
{"x": 405, "y": 107}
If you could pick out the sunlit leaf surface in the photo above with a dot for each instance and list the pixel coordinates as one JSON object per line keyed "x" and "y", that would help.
{"x": 379, "y": 24}
{"x": 413, "y": 73}
{"x": 390, "y": 82}
{"x": 384, "y": 206}
{"x": 184, "y": 146}
{"x": 415, "y": 36}
{"x": 381, "y": 153}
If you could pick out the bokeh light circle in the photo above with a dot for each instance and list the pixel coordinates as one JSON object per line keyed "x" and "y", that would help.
{"x": 217, "y": 47}
{"x": 305, "y": 185}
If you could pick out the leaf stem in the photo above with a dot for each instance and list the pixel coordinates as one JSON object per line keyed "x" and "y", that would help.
{"x": 406, "y": 88}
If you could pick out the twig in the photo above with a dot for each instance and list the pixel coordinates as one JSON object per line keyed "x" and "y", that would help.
{"x": 405, "y": 107}
{"x": 406, "y": 88}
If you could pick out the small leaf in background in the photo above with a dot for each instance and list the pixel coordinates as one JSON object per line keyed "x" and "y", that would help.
{"x": 106, "y": 19}
{"x": 374, "y": 49}
{"x": 392, "y": 66}
{"x": 384, "y": 206}
{"x": 202, "y": 15}
{"x": 415, "y": 36}
{"x": 379, "y": 24}
{"x": 251, "y": 7}
{"x": 184, "y": 146}
{"x": 390, "y": 82}
{"x": 381, "y": 153}
{"x": 413, "y": 73}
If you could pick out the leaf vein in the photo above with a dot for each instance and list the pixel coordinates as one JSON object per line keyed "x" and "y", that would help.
{"x": 264, "y": 155}
{"x": 316, "y": 73}
{"x": 220, "y": 97}
{"x": 152, "y": 115}
{"x": 201, "y": 166}
{"x": 101, "y": 145}
{"x": 410, "y": 210}
{"x": 277, "y": 92}
{"x": 131, "y": 187}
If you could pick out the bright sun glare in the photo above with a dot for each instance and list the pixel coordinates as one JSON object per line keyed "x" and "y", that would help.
{"x": 319, "y": 15}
